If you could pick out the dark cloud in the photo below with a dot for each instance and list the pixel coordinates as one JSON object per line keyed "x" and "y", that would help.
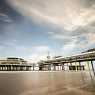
{"x": 92, "y": 24}
{"x": 6, "y": 9}
{"x": 87, "y": 3}
{"x": 8, "y": 16}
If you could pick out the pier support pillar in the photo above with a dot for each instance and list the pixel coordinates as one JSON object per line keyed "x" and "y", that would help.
{"x": 49, "y": 67}
{"x": 40, "y": 68}
{"x": 0, "y": 67}
{"x": 27, "y": 68}
{"x": 21, "y": 68}
{"x": 76, "y": 66}
{"x": 33, "y": 67}
{"x": 67, "y": 67}
{"x": 63, "y": 67}
{"x": 80, "y": 66}
{"x": 54, "y": 67}
{"x": 92, "y": 67}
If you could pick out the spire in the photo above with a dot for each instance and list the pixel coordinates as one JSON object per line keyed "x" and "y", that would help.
{"x": 48, "y": 55}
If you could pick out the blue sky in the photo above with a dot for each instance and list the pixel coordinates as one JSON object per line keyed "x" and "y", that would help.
{"x": 32, "y": 28}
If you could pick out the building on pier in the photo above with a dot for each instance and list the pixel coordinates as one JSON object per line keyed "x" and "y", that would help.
{"x": 17, "y": 64}
{"x": 13, "y": 60}
{"x": 14, "y": 64}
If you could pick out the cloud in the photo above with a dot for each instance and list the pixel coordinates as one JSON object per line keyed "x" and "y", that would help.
{"x": 69, "y": 14}
{"x": 69, "y": 48}
{"x": 5, "y": 18}
{"x": 67, "y": 17}
{"x": 29, "y": 53}
{"x": 72, "y": 22}
{"x": 91, "y": 38}
{"x": 38, "y": 53}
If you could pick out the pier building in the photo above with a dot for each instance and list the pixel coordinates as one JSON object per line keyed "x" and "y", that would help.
{"x": 14, "y": 64}
{"x": 13, "y": 60}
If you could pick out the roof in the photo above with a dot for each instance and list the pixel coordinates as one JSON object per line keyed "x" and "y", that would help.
{"x": 89, "y": 50}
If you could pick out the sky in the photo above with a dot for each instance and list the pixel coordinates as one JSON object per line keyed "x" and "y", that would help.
{"x": 33, "y": 28}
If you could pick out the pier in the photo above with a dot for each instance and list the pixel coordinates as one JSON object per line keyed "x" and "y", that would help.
{"x": 68, "y": 63}
{"x": 71, "y": 63}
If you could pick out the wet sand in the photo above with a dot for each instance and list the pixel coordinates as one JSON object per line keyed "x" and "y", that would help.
{"x": 47, "y": 83}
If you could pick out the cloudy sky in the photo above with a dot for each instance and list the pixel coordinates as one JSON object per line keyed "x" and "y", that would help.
{"x": 32, "y": 28}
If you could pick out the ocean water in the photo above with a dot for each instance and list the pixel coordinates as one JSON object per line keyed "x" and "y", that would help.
{"x": 47, "y": 83}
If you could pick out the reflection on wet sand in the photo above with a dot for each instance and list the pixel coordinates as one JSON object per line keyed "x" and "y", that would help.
{"x": 47, "y": 83}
